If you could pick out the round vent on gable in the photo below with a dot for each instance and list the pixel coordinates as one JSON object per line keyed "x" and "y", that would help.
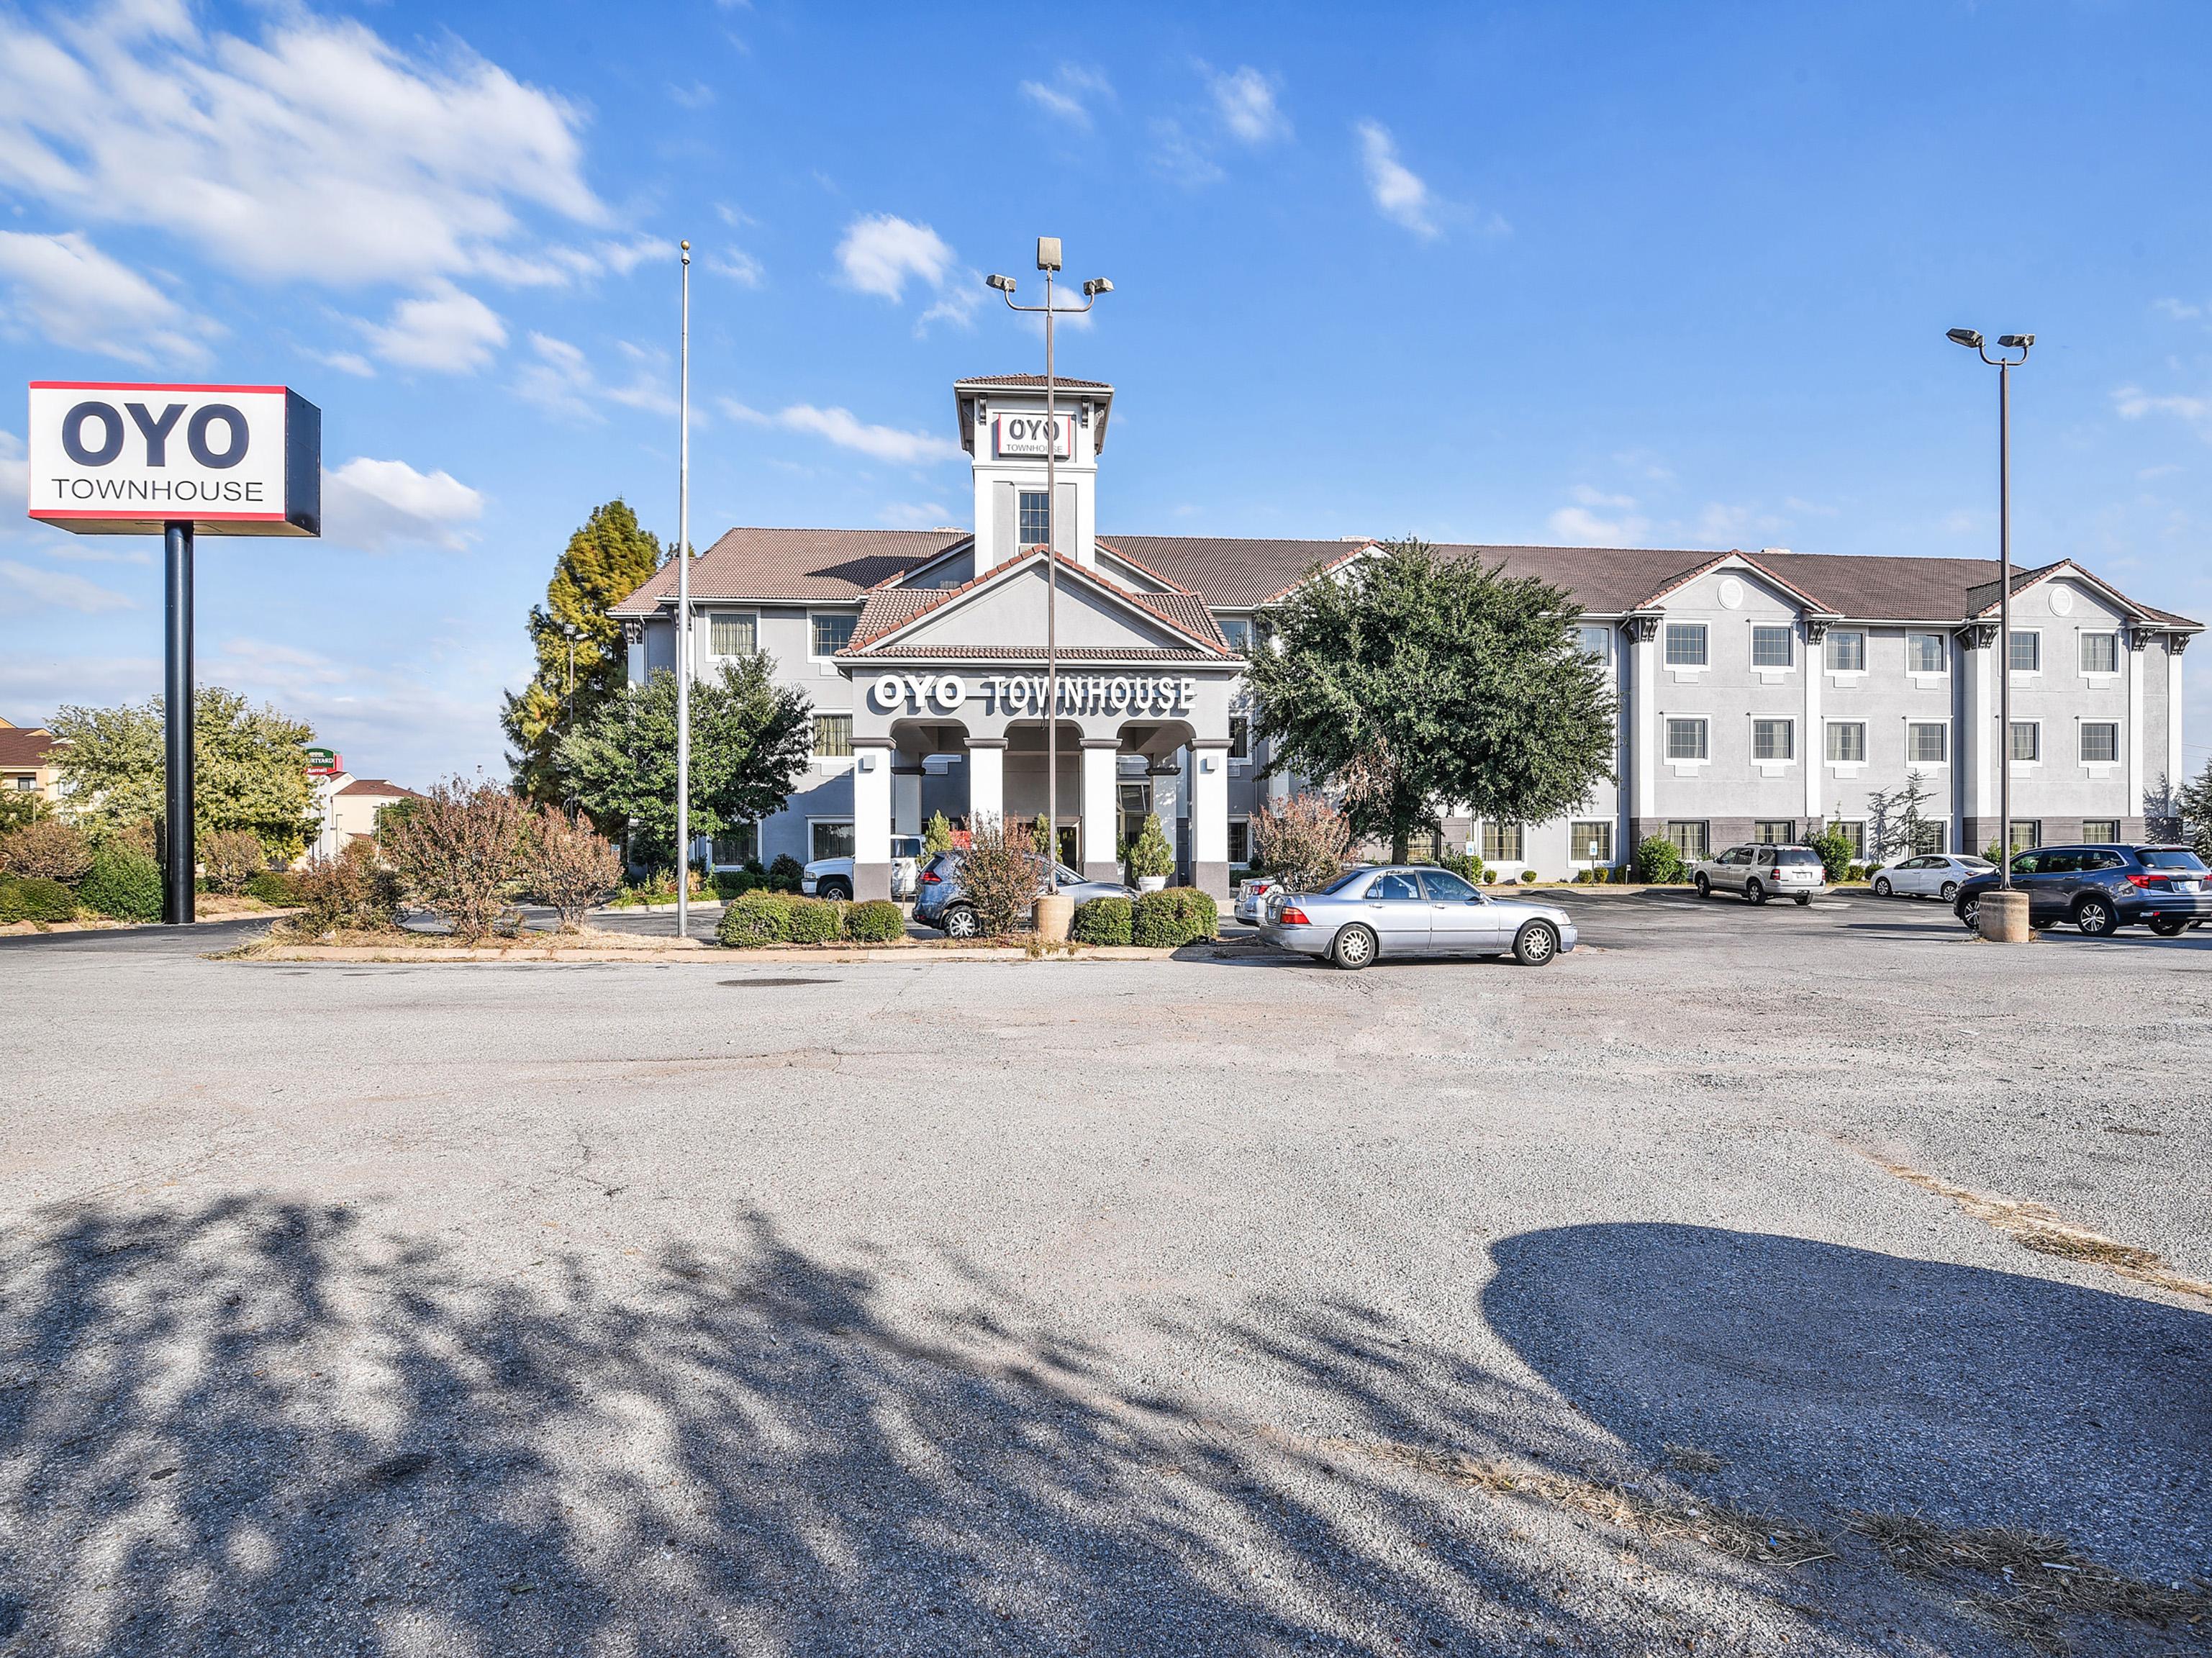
{"x": 2061, "y": 601}
{"x": 1731, "y": 593}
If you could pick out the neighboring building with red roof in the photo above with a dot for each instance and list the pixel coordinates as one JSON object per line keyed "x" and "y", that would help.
{"x": 1759, "y": 692}
{"x": 349, "y": 805}
{"x": 27, "y": 758}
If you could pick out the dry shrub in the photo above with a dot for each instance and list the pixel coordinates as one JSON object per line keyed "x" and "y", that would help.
{"x": 456, "y": 852}
{"x": 1302, "y": 840}
{"x": 47, "y": 849}
{"x": 231, "y": 858}
{"x": 569, "y": 865}
{"x": 1000, "y": 875}
{"x": 350, "y": 893}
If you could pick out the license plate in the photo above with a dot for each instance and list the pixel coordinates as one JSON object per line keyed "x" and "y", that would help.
{"x": 2185, "y": 886}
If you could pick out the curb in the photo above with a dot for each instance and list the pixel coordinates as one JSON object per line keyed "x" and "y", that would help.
{"x": 710, "y": 955}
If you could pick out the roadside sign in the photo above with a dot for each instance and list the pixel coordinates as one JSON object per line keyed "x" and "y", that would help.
{"x": 324, "y": 762}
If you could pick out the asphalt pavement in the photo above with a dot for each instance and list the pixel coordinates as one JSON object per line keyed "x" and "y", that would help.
{"x": 1086, "y": 1307}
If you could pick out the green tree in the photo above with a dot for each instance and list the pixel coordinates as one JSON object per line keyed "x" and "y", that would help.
{"x": 604, "y": 563}
{"x": 751, "y": 741}
{"x": 2193, "y": 805}
{"x": 936, "y": 835}
{"x": 249, "y": 771}
{"x": 1411, "y": 681}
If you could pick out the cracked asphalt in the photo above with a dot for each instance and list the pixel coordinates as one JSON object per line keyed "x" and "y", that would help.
{"x": 1091, "y": 1308}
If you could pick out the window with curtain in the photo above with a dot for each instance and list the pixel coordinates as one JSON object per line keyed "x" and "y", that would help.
{"x": 1685, "y": 739}
{"x": 1773, "y": 740}
{"x": 2027, "y": 652}
{"x": 1501, "y": 843}
{"x": 1927, "y": 654}
{"x": 2100, "y": 742}
{"x": 833, "y": 736}
{"x": 1847, "y": 742}
{"x": 1686, "y": 644}
{"x": 1690, "y": 839}
{"x": 2100, "y": 829}
{"x": 732, "y": 635}
{"x": 832, "y": 631}
{"x": 1845, "y": 651}
{"x": 1772, "y": 647}
{"x": 1591, "y": 843}
{"x": 2100, "y": 653}
{"x": 1774, "y": 831}
{"x": 2027, "y": 739}
{"x": 1927, "y": 743}
{"x": 1238, "y": 630}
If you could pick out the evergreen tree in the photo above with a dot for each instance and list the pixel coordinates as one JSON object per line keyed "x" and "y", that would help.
{"x": 604, "y": 563}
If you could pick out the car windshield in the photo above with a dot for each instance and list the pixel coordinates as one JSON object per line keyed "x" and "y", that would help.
{"x": 2170, "y": 858}
{"x": 1797, "y": 855}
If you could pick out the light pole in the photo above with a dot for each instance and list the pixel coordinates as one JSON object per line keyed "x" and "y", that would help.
{"x": 1047, "y": 260}
{"x": 2004, "y": 365}
{"x": 684, "y": 608}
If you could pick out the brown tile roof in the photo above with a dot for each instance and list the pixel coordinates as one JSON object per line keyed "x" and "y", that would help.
{"x": 378, "y": 786}
{"x": 886, "y": 612}
{"x": 26, "y": 746}
{"x": 1035, "y": 653}
{"x": 988, "y": 381}
{"x": 794, "y": 564}
{"x": 1233, "y": 572}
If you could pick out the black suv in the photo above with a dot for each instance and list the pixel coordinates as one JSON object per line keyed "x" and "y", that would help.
{"x": 2103, "y": 888}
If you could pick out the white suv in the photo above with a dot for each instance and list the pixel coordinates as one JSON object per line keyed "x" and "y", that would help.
{"x": 832, "y": 878}
{"x": 1763, "y": 872}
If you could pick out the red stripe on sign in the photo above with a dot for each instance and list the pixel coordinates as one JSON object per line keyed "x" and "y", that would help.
{"x": 155, "y": 517}
{"x": 140, "y": 385}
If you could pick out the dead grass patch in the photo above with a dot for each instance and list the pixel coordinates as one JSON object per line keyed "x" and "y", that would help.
{"x": 2033, "y": 1226}
{"x": 1665, "y": 1518}
{"x": 1694, "y": 1459}
{"x": 2036, "y": 1584}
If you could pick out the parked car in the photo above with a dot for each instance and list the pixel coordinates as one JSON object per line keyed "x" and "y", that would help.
{"x": 2102, "y": 887}
{"x": 938, "y": 902}
{"x": 1762, "y": 873}
{"x": 832, "y": 878}
{"x": 1400, "y": 909}
{"x": 1932, "y": 875}
{"x": 1251, "y": 905}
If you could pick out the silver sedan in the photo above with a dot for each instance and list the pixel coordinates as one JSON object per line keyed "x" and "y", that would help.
{"x": 1399, "y": 911}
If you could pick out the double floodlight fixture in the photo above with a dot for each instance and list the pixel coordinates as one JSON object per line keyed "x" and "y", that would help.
{"x": 1972, "y": 339}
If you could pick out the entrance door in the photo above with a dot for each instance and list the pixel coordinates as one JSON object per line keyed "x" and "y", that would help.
{"x": 1135, "y": 800}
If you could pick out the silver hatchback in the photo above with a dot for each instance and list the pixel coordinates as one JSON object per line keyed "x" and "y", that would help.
{"x": 1402, "y": 910}
{"x": 1763, "y": 872}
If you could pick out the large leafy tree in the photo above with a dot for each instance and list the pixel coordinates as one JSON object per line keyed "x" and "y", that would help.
{"x": 250, "y": 767}
{"x": 1410, "y": 683}
{"x": 750, "y": 740}
{"x": 603, "y": 564}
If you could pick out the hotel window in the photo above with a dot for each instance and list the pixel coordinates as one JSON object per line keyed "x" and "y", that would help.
{"x": 1927, "y": 743}
{"x": 1771, "y": 647}
{"x": 833, "y": 736}
{"x": 2028, "y": 739}
{"x": 739, "y": 845}
{"x": 1854, "y": 836}
{"x": 1501, "y": 843}
{"x": 1037, "y": 518}
{"x": 2027, "y": 652}
{"x": 1591, "y": 843}
{"x": 2100, "y": 742}
{"x": 2026, "y": 833}
{"x": 1240, "y": 840}
{"x": 1685, "y": 739}
{"x": 832, "y": 631}
{"x": 1927, "y": 654}
{"x": 1774, "y": 831}
{"x": 1845, "y": 652}
{"x": 1238, "y": 630}
{"x": 1594, "y": 640}
{"x": 2100, "y": 829}
{"x": 1773, "y": 740}
{"x": 1847, "y": 742}
{"x": 1240, "y": 738}
{"x": 1686, "y": 644}
{"x": 2100, "y": 653}
{"x": 732, "y": 635}
{"x": 832, "y": 839}
{"x": 1421, "y": 846}
{"x": 1691, "y": 840}
{"x": 1927, "y": 839}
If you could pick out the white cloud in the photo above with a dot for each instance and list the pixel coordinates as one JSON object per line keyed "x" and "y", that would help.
{"x": 444, "y": 331}
{"x": 739, "y": 266}
{"x": 562, "y": 382}
{"x": 1398, "y": 192}
{"x": 2179, "y": 310}
{"x": 1599, "y": 520}
{"x": 1070, "y": 94}
{"x": 697, "y": 95}
{"x": 15, "y": 474}
{"x": 346, "y": 362}
{"x": 624, "y": 257}
{"x": 741, "y": 413}
{"x": 59, "y": 591}
{"x": 842, "y": 427}
{"x": 71, "y": 293}
{"x": 880, "y": 252}
{"x": 316, "y": 151}
{"x": 914, "y": 515}
{"x": 2133, "y": 403}
{"x": 1244, "y": 99}
{"x": 1723, "y": 524}
{"x": 1584, "y": 496}
{"x": 1180, "y": 159}
{"x": 376, "y": 504}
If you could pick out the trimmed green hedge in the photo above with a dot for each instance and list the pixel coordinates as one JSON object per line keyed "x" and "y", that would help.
{"x": 754, "y": 919}
{"x": 35, "y": 898}
{"x": 279, "y": 887}
{"x": 877, "y": 921}
{"x": 1101, "y": 921}
{"x": 1171, "y": 918}
{"x": 813, "y": 920}
{"x": 123, "y": 884}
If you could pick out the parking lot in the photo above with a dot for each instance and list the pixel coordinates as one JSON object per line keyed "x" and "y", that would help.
{"x": 1225, "y": 1304}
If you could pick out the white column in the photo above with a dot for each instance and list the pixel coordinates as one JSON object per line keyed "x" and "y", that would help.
{"x": 872, "y": 820}
{"x": 1101, "y": 814}
{"x": 1209, "y": 818}
{"x": 1814, "y": 753}
{"x": 906, "y": 795}
{"x": 2132, "y": 645}
{"x": 1644, "y": 650}
{"x": 2174, "y": 774}
{"x": 1982, "y": 739}
{"x": 986, "y": 779}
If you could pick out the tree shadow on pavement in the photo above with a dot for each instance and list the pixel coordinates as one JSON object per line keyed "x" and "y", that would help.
{"x": 1849, "y": 1379}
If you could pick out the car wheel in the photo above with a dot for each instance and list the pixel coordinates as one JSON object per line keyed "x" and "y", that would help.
{"x": 1704, "y": 887}
{"x": 2167, "y": 925}
{"x": 1536, "y": 944}
{"x": 835, "y": 889}
{"x": 1950, "y": 890}
{"x": 960, "y": 922}
{"x": 1883, "y": 889}
{"x": 1754, "y": 893}
{"x": 1804, "y": 901}
{"x": 2096, "y": 918}
{"x": 1353, "y": 949}
{"x": 1970, "y": 913}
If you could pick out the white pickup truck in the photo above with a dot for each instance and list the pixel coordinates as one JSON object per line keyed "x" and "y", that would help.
{"x": 832, "y": 878}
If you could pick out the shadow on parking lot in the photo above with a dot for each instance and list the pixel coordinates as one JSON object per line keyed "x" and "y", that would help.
{"x": 1829, "y": 1375}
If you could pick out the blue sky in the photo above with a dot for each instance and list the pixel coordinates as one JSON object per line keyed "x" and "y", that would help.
{"x": 1672, "y": 275}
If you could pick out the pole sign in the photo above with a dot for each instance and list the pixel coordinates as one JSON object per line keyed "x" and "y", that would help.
{"x": 324, "y": 762}
{"x": 111, "y": 458}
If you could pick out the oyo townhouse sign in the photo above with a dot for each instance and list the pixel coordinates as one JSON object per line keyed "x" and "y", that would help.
{"x": 1016, "y": 694}
{"x": 109, "y": 458}
{"x": 1026, "y": 435}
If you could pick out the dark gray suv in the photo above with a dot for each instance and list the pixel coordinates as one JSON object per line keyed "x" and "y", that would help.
{"x": 2102, "y": 888}
{"x": 938, "y": 902}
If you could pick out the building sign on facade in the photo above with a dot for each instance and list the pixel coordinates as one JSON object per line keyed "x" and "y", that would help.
{"x": 1026, "y": 435}
{"x": 1019, "y": 693}
{"x": 111, "y": 458}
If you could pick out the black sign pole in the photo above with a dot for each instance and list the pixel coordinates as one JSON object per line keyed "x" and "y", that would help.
{"x": 180, "y": 872}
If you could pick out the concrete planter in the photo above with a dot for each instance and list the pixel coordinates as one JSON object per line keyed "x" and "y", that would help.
{"x": 1053, "y": 913}
{"x": 1152, "y": 883}
{"x": 2004, "y": 917}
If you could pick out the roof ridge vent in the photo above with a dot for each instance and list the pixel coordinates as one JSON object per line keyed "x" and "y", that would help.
{"x": 1764, "y": 551}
